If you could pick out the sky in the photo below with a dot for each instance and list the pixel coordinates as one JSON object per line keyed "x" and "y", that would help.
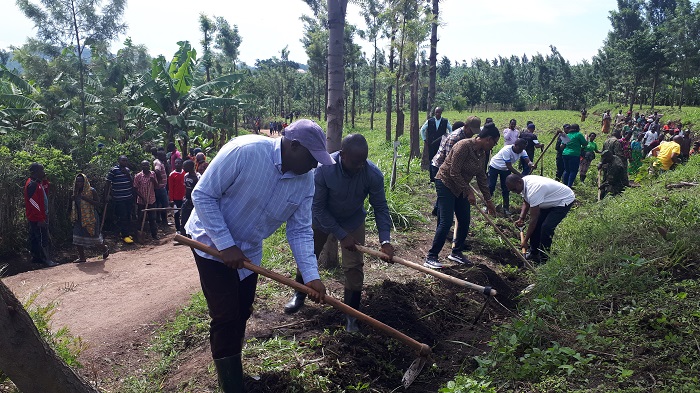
{"x": 469, "y": 29}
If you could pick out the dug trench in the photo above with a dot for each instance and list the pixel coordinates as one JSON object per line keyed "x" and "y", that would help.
{"x": 431, "y": 311}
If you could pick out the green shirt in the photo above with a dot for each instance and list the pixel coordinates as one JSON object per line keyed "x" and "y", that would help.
{"x": 591, "y": 147}
{"x": 576, "y": 142}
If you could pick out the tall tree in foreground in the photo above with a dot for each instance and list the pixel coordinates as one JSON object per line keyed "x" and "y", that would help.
{"x": 76, "y": 24}
{"x": 336, "y": 71}
{"x": 432, "y": 66}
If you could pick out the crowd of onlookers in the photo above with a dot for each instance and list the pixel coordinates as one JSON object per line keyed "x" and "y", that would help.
{"x": 158, "y": 192}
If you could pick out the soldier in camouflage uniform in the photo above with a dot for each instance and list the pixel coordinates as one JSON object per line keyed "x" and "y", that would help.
{"x": 614, "y": 174}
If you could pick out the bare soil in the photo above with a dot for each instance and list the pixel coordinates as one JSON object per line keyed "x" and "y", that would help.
{"x": 116, "y": 306}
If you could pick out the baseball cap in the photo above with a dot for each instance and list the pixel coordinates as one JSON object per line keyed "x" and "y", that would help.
{"x": 311, "y": 136}
{"x": 565, "y": 126}
{"x": 474, "y": 124}
{"x": 531, "y": 126}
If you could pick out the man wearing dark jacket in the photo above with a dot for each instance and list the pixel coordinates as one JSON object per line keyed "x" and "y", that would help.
{"x": 431, "y": 133}
{"x": 338, "y": 209}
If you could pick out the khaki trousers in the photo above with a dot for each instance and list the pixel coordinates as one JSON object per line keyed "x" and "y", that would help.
{"x": 351, "y": 261}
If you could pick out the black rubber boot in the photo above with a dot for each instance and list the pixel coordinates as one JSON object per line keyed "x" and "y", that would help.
{"x": 352, "y": 299}
{"x": 230, "y": 371}
{"x": 297, "y": 299}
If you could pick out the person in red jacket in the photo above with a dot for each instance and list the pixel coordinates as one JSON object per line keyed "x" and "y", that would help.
{"x": 176, "y": 182}
{"x": 36, "y": 202}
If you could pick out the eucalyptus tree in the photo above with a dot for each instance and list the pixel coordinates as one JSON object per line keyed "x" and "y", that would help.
{"x": 207, "y": 27}
{"x": 76, "y": 24}
{"x": 336, "y": 71}
{"x": 432, "y": 73}
{"x": 227, "y": 42}
{"x": 373, "y": 21}
{"x": 685, "y": 33}
{"x": 315, "y": 41}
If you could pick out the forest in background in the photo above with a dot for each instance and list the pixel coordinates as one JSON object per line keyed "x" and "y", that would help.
{"x": 64, "y": 92}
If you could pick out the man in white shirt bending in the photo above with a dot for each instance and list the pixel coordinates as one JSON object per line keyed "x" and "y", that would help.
{"x": 548, "y": 202}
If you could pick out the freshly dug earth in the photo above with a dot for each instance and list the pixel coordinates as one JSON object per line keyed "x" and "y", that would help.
{"x": 117, "y": 305}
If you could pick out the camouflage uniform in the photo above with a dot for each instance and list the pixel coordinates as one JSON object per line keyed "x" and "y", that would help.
{"x": 614, "y": 178}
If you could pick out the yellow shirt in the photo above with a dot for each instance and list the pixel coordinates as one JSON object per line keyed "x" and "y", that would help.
{"x": 665, "y": 155}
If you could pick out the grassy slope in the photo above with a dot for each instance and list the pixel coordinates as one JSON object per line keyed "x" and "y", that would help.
{"x": 616, "y": 308}
{"x": 610, "y": 270}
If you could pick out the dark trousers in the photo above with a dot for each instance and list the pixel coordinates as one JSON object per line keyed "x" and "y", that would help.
{"x": 230, "y": 303}
{"x": 38, "y": 242}
{"x": 560, "y": 166}
{"x": 524, "y": 168}
{"x": 150, "y": 217}
{"x": 176, "y": 216}
{"x": 571, "y": 164}
{"x": 433, "y": 171}
{"x": 493, "y": 177}
{"x": 547, "y": 222}
{"x": 162, "y": 201}
{"x": 450, "y": 205}
{"x": 122, "y": 209}
{"x": 187, "y": 207}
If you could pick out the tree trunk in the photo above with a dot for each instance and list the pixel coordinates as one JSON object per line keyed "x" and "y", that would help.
{"x": 81, "y": 68}
{"x": 390, "y": 88}
{"x": 336, "y": 72}
{"x": 353, "y": 100}
{"x": 374, "y": 87}
{"x": 432, "y": 71}
{"x": 399, "y": 90}
{"x": 26, "y": 358}
{"x": 414, "y": 128}
{"x": 653, "y": 91}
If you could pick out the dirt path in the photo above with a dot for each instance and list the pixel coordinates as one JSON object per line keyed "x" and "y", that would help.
{"x": 114, "y": 305}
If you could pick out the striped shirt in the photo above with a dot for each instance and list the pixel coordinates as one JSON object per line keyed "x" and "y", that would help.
{"x": 243, "y": 198}
{"x": 121, "y": 183}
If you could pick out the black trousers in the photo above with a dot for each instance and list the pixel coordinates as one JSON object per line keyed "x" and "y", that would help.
{"x": 187, "y": 208}
{"x": 122, "y": 209}
{"x": 176, "y": 216}
{"x": 150, "y": 217}
{"x": 230, "y": 303}
{"x": 547, "y": 222}
{"x": 38, "y": 242}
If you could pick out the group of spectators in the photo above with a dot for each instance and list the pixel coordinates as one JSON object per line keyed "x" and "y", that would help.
{"x": 154, "y": 189}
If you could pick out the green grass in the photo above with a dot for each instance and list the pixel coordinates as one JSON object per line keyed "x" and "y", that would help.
{"x": 617, "y": 302}
{"x": 585, "y": 327}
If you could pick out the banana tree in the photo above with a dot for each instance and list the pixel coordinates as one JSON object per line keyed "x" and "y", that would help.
{"x": 170, "y": 95}
{"x": 18, "y": 112}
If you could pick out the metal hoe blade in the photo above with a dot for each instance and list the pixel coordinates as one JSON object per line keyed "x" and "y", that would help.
{"x": 410, "y": 375}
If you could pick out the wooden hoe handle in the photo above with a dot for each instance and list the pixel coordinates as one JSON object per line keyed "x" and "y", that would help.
{"x": 498, "y": 230}
{"x": 422, "y": 349}
{"x": 454, "y": 280}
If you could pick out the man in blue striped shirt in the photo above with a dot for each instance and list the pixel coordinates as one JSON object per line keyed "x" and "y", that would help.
{"x": 338, "y": 209}
{"x": 253, "y": 186}
{"x": 122, "y": 195}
